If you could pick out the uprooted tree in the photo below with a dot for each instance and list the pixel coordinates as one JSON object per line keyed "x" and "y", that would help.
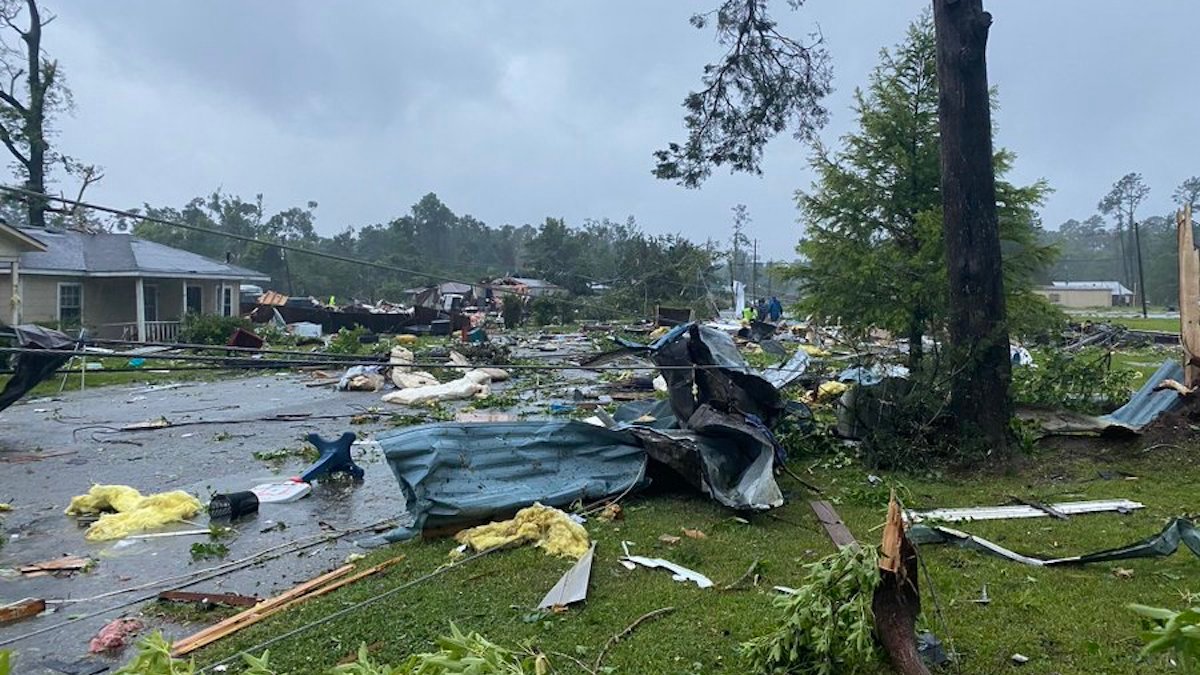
{"x": 873, "y": 254}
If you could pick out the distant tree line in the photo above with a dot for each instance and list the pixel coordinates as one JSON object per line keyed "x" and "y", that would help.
{"x": 603, "y": 263}
{"x": 1104, "y": 246}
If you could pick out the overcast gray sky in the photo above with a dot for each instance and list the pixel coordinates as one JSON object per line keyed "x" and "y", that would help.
{"x": 514, "y": 111}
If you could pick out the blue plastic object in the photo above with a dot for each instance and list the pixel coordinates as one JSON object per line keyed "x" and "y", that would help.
{"x": 335, "y": 457}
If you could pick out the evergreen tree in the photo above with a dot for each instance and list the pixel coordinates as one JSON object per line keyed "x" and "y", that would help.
{"x": 873, "y": 255}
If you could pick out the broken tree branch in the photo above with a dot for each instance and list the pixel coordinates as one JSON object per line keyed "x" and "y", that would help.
{"x": 625, "y": 633}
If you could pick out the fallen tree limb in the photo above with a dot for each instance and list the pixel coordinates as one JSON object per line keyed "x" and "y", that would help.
{"x": 625, "y": 633}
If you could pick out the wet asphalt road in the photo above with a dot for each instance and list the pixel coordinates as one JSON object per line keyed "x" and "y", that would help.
{"x": 43, "y": 464}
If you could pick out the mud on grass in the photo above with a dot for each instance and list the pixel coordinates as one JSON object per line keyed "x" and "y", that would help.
{"x": 1066, "y": 620}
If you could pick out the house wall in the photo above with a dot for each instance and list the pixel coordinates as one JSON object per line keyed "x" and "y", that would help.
{"x": 1077, "y": 297}
{"x": 105, "y": 300}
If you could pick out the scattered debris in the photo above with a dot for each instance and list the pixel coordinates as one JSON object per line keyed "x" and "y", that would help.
{"x": 21, "y": 609}
{"x": 545, "y": 527}
{"x": 669, "y": 539}
{"x": 1123, "y": 573}
{"x": 313, "y": 588}
{"x": 233, "y": 505}
{"x": 361, "y": 378}
{"x": 1166, "y": 542}
{"x": 612, "y": 512}
{"x": 1019, "y": 659}
{"x": 1023, "y": 511}
{"x": 572, "y": 587}
{"x": 693, "y": 534}
{"x": 133, "y": 512}
{"x": 983, "y": 598}
{"x": 222, "y": 599}
{"x": 678, "y": 572}
{"x": 115, "y": 635}
{"x": 281, "y": 493}
{"x": 66, "y": 563}
{"x": 334, "y": 458}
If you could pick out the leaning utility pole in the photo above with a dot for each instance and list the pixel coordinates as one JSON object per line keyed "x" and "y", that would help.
{"x": 980, "y": 361}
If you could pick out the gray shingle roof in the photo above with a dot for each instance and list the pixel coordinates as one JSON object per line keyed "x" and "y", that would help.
{"x": 111, "y": 254}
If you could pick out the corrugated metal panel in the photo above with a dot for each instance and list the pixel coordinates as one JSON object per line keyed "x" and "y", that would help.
{"x": 455, "y": 472}
{"x": 1147, "y": 404}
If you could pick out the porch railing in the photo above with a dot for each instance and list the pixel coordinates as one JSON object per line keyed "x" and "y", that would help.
{"x": 156, "y": 331}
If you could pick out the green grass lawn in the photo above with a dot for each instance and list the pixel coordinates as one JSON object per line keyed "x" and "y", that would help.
{"x": 1066, "y": 620}
{"x": 1170, "y": 325}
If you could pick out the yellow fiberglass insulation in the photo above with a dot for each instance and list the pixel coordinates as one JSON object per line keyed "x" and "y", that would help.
{"x": 547, "y": 528}
{"x": 134, "y": 512}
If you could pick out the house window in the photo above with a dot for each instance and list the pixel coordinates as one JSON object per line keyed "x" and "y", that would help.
{"x": 193, "y": 299}
{"x": 227, "y": 301}
{"x": 70, "y": 305}
{"x": 150, "y": 302}
{"x": 1055, "y": 298}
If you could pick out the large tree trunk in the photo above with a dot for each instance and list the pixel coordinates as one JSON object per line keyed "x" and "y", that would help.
{"x": 35, "y": 117}
{"x": 978, "y": 327}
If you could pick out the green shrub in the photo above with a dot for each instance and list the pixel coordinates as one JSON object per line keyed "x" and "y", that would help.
{"x": 347, "y": 341}
{"x": 1084, "y": 381}
{"x": 210, "y": 329}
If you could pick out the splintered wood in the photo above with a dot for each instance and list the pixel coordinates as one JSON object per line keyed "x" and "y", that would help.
{"x": 1189, "y": 298}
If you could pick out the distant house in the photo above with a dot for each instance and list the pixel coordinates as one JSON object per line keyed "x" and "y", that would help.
{"x": 1080, "y": 294}
{"x": 533, "y": 288}
{"x": 446, "y": 296}
{"x": 115, "y": 285}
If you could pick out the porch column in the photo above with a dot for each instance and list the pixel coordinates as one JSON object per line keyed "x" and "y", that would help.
{"x": 15, "y": 275}
{"x": 140, "y": 299}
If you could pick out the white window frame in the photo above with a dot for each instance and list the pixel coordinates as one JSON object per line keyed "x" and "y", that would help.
{"x": 58, "y": 300}
{"x": 226, "y": 300}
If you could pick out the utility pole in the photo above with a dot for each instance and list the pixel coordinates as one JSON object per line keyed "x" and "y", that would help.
{"x": 754, "y": 272}
{"x": 1137, "y": 243}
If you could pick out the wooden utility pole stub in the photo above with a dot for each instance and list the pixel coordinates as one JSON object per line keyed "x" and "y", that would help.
{"x": 1189, "y": 297}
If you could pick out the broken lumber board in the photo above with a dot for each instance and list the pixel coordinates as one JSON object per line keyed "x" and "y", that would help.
{"x": 226, "y": 599}
{"x": 260, "y": 612}
{"x": 222, "y": 628}
{"x": 21, "y": 609}
{"x": 1006, "y": 512}
{"x": 832, "y": 522}
{"x": 67, "y": 563}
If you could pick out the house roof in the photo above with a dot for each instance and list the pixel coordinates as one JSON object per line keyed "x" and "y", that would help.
{"x": 1114, "y": 287}
{"x": 524, "y": 281}
{"x": 109, "y": 254}
{"x": 24, "y": 241}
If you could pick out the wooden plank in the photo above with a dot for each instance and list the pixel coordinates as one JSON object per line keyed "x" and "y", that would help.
{"x": 1189, "y": 297}
{"x": 21, "y": 609}
{"x": 261, "y": 612}
{"x": 67, "y": 563}
{"x": 832, "y": 522}
{"x": 227, "y": 599}
{"x": 195, "y": 641}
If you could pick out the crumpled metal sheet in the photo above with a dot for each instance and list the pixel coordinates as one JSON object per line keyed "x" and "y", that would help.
{"x": 783, "y": 375}
{"x": 459, "y": 472}
{"x": 1147, "y": 405}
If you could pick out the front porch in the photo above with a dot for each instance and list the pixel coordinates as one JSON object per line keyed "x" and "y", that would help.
{"x": 158, "y": 306}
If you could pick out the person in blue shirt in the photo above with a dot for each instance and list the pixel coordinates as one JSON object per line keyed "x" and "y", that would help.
{"x": 775, "y": 309}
